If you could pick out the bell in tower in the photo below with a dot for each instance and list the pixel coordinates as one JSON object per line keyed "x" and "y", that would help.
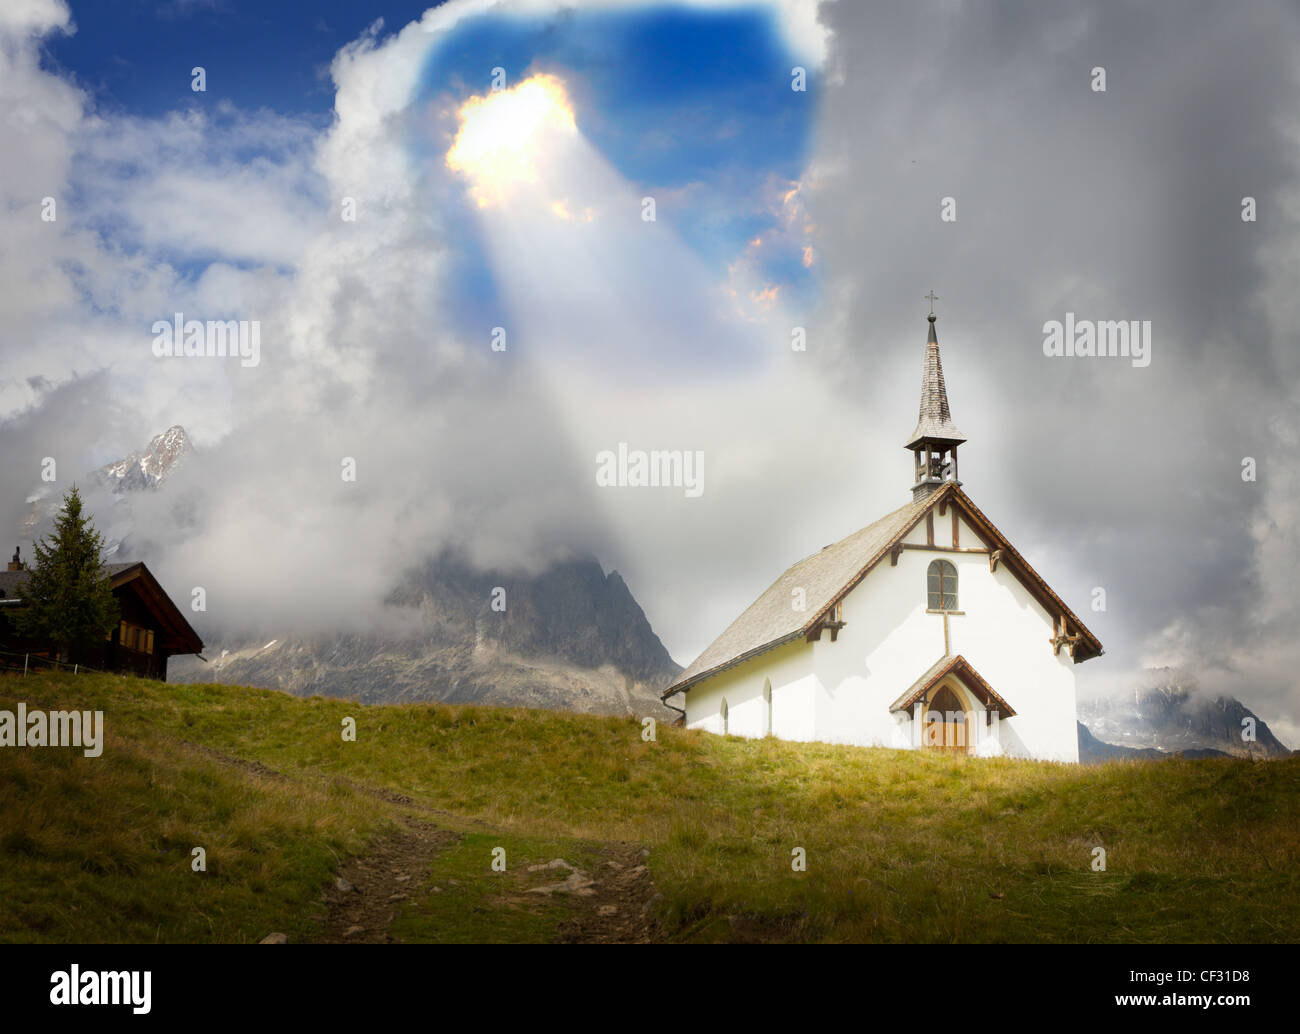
{"x": 935, "y": 440}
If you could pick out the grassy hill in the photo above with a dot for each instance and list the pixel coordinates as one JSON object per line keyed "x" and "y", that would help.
{"x": 900, "y": 846}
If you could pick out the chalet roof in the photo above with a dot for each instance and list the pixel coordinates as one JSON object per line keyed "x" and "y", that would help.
{"x": 950, "y": 664}
{"x": 828, "y": 576}
{"x": 11, "y": 582}
{"x": 180, "y": 635}
{"x": 935, "y": 420}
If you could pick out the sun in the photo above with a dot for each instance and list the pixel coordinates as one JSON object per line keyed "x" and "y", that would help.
{"x": 501, "y": 134}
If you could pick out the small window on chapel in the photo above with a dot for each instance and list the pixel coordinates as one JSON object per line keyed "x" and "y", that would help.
{"x": 942, "y": 586}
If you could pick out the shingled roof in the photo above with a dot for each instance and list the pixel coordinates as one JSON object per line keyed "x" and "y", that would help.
{"x": 11, "y": 582}
{"x": 180, "y": 635}
{"x": 934, "y": 422}
{"x": 946, "y": 665}
{"x": 828, "y": 576}
{"x": 772, "y": 620}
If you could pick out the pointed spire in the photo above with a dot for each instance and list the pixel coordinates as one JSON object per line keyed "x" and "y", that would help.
{"x": 934, "y": 424}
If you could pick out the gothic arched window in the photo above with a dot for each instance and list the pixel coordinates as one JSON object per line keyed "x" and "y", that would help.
{"x": 942, "y": 584}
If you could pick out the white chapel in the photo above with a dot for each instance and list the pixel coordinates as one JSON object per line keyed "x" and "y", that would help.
{"x": 924, "y": 630}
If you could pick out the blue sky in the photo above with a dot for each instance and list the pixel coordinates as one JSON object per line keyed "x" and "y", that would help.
{"x": 136, "y": 55}
{"x": 671, "y": 97}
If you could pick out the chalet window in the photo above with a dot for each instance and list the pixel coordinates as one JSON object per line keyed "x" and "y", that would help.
{"x": 133, "y": 637}
{"x": 942, "y": 585}
{"x": 725, "y": 724}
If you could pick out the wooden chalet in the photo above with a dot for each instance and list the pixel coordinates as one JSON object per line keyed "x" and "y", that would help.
{"x": 150, "y": 629}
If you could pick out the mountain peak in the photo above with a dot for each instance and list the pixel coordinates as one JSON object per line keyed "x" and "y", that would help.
{"x": 1169, "y": 712}
{"x": 146, "y": 468}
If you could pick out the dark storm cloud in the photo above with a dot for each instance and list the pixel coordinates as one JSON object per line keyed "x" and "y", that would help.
{"x": 1117, "y": 205}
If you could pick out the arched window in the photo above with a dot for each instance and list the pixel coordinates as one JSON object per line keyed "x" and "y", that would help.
{"x": 725, "y": 727}
{"x": 942, "y": 584}
{"x": 767, "y": 699}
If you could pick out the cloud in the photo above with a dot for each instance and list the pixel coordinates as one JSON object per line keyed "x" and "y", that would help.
{"x": 1117, "y": 205}
{"x": 196, "y": 187}
{"x": 358, "y": 367}
{"x": 23, "y": 20}
{"x": 1122, "y": 205}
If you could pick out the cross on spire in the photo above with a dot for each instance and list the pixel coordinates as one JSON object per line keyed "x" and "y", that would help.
{"x": 933, "y": 298}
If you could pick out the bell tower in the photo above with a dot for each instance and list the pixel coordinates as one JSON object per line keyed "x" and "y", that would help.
{"x": 935, "y": 440}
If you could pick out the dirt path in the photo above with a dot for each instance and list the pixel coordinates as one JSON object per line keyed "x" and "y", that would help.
{"x": 369, "y": 890}
{"x": 616, "y": 907}
{"x": 621, "y": 911}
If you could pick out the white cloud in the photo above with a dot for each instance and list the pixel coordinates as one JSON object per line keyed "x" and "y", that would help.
{"x": 498, "y": 451}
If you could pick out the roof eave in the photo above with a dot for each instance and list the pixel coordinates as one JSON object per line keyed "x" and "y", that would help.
{"x": 683, "y": 686}
{"x": 949, "y": 488}
{"x": 940, "y": 436}
{"x": 941, "y": 669}
{"x": 1090, "y": 640}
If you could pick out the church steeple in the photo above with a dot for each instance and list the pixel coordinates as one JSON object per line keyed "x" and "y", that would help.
{"x": 935, "y": 440}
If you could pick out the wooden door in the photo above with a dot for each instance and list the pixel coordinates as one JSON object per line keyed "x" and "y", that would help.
{"x": 946, "y": 727}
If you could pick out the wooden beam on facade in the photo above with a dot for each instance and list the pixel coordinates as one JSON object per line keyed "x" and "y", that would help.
{"x": 945, "y": 549}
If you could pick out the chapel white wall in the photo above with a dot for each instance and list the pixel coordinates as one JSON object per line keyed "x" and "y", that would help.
{"x": 840, "y": 692}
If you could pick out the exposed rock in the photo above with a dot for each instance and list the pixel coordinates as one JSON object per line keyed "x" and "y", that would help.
{"x": 1166, "y": 715}
{"x": 274, "y": 938}
{"x": 571, "y": 638}
{"x": 147, "y": 468}
{"x": 1092, "y": 749}
{"x": 577, "y": 883}
{"x": 554, "y": 863}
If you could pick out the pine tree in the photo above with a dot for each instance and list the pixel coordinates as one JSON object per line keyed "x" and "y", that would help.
{"x": 68, "y": 594}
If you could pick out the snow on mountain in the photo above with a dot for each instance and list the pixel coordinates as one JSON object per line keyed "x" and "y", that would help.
{"x": 147, "y": 468}
{"x": 1167, "y": 712}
